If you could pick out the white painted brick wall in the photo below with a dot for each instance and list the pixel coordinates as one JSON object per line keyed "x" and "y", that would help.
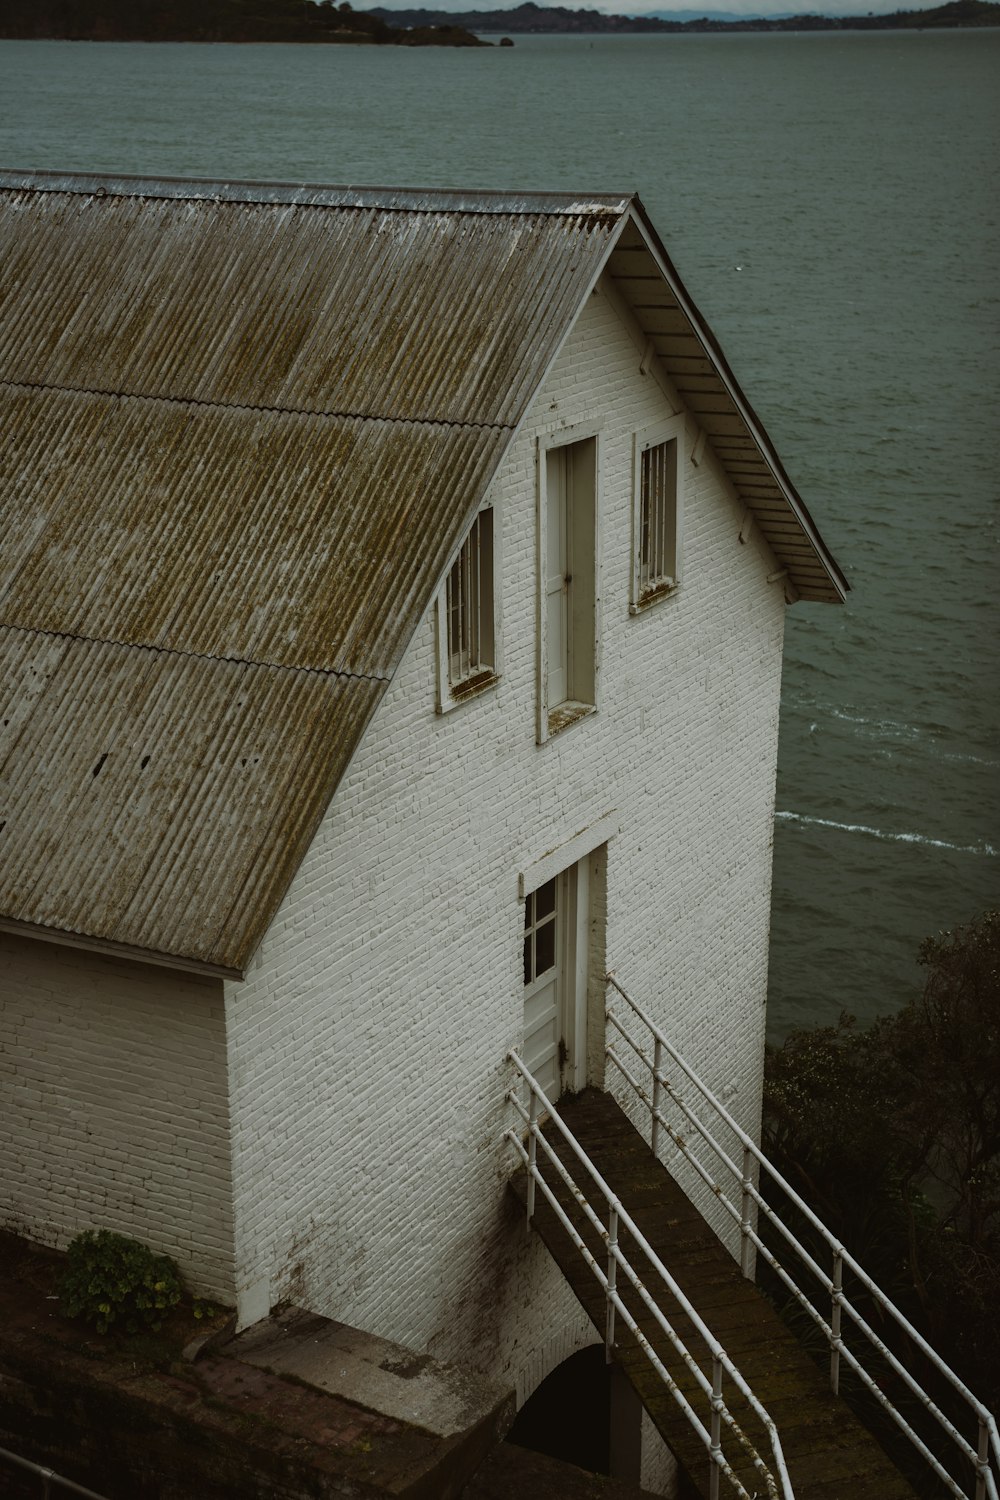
{"x": 368, "y": 1043}
{"x": 113, "y": 1106}
{"x": 659, "y": 1473}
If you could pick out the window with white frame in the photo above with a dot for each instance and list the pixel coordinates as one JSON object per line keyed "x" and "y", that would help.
{"x": 567, "y": 541}
{"x": 467, "y": 636}
{"x": 656, "y": 513}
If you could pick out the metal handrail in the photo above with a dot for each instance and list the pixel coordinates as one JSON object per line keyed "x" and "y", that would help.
{"x": 49, "y": 1477}
{"x": 777, "y": 1482}
{"x": 985, "y": 1457}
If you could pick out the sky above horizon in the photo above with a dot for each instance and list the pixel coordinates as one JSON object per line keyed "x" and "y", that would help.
{"x": 738, "y": 8}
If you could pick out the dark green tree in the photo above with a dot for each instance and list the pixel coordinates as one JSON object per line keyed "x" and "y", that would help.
{"x": 892, "y": 1134}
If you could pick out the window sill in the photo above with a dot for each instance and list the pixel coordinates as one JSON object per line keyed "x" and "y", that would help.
{"x": 560, "y": 719}
{"x": 466, "y": 691}
{"x": 665, "y": 590}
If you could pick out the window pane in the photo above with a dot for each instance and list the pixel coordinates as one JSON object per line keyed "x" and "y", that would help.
{"x": 456, "y": 619}
{"x": 528, "y": 976}
{"x": 644, "y": 567}
{"x": 545, "y": 947}
{"x": 469, "y": 604}
{"x": 545, "y": 900}
{"x": 658, "y": 516}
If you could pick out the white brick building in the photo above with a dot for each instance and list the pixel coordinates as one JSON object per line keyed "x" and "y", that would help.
{"x": 293, "y": 758}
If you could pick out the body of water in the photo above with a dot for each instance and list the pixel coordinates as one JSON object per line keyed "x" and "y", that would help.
{"x": 831, "y": 202}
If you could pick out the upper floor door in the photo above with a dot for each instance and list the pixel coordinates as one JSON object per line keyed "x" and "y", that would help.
{"x": 568, "y": 536}
{"x": 557, "y": 574}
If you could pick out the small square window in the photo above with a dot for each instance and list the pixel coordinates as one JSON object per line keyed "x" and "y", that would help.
{"x": 657, "y": 515}
{"x": 467, "y": 638}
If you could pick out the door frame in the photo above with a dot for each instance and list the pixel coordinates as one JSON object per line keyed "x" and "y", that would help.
{"x": 575, "y": 889}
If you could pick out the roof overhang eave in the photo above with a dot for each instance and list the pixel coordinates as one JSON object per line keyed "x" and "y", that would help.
{"x": 109, "y": 949}
{"x": 636, "y": 217}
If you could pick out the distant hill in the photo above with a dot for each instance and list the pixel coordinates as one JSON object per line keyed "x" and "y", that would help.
{"x": 307, "y": 21}
{"x": 529, "y": 17}
{"x": 696, "y": 15}
{"x": 221, "y": 21}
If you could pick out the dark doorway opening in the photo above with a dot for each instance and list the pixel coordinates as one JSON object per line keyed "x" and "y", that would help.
{"x": 569, "y": 1415}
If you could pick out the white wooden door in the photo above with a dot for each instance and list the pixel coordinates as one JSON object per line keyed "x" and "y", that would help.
{"x": 556, "y": 575}
{"x": 555, "y": 982}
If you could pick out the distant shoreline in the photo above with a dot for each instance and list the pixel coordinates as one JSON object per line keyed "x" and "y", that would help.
{"x": 260, "y": 22}
{"x": 534, "y": 19}
{"x": 691, "y": 29}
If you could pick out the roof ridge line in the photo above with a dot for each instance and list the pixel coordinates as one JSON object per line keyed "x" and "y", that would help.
{"x": 345, "y": 196}
{"x": 286, "y": 411}
{"x": 239, "y": 661}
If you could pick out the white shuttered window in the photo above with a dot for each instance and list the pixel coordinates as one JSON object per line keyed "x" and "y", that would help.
{"x": 658, "y": 511}
{"x": 469, "y": 657}
{"x": 656, "y": 543}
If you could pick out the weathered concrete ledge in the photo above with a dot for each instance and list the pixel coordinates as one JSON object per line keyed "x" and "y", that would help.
{"x": 409, "y": 1388}
{"x": 278, "y": 1424}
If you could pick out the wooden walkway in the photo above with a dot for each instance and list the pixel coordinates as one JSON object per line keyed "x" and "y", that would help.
{"x": 830, "y": 1455}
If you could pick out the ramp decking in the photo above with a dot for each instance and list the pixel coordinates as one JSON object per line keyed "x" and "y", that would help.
{"x": 830, "y": 1455}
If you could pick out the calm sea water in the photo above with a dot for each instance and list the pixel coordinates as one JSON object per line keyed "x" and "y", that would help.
{"x": 831, "y": 202}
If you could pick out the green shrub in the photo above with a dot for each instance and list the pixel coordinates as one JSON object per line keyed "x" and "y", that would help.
{"x": 112, "y": 1279}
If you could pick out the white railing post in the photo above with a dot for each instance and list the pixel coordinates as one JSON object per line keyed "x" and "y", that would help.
{"x": 983, "y": 1464}
{"x": 657, "y": 1096}
{"x": 716, "y": 1448}
{"x": 609, "y": 1325}
{"x": 532, "y": 1153}
{"x": 836, "y": 1342}
{"x": 746, "y": 1216}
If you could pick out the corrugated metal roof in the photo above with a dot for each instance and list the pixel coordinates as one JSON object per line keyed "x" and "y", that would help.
{"x": 273, "y": 537}
{"x": 168, "y": 798}
{"x": 245, "y": 428}
{"x": 504, "y": 201}
{"x": 424, "y": 316}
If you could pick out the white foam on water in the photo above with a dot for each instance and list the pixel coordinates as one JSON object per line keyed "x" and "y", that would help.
{"x": 869, "y": 728}
{"x": 968, "y": 758}
{"x": 879, "y": 726}
{"x": 880, "y": 833}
